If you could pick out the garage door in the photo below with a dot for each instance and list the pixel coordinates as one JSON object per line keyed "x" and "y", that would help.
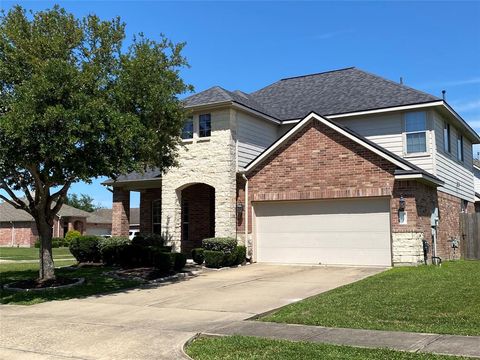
{"x": 341, "y": 232}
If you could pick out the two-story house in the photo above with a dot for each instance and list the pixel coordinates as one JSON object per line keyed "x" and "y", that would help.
{"x": 341, "y": 167}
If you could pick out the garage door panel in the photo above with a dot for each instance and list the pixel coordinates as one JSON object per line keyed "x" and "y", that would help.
{"x": 327, "y": 232}
{"x": 376, "y": 240}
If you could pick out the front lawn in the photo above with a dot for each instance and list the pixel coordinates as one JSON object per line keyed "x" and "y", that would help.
{"x": 21, "y": 253}
{"x": 95, "y": 283}
{"x": 240, "y": 347}
{"x": 443, "y": 300}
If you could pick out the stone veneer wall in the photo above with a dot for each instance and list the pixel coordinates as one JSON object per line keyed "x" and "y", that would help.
{"x": 211, "y": 161}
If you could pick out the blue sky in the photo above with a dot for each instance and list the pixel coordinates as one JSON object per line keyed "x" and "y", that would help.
{"x": 247, "y": 45}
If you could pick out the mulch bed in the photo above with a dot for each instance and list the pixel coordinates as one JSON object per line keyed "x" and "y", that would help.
{"x": 144, "y": 273}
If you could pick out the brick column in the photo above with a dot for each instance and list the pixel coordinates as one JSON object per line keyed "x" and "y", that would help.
{"x": 121, "y": 212}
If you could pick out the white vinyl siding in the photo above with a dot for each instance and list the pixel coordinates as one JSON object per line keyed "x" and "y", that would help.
{"x": 457, "y": 175}
{"x": 387, "y": 130}
{"x": 476, "y": 173}
{"x": 254, "y": 136}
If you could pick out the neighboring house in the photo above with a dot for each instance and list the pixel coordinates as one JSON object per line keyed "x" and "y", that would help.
{"x": 18, "y": 228}
{"x": 341, "y": 167}
{"x": 100, "y": 221}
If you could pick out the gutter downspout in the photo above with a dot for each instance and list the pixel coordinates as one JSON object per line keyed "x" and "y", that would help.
{"x": 246, "y": 208}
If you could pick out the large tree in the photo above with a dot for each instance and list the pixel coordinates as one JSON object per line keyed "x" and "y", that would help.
{"x": 75, "y": 104}
{"x": 83, "y": 202}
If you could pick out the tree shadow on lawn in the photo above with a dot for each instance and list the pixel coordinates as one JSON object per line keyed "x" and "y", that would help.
{"x": 97, "y": 284}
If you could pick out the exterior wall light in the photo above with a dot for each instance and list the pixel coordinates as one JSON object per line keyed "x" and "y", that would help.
{"x": 401, "y": 203}
{"x": 239, "y": 209}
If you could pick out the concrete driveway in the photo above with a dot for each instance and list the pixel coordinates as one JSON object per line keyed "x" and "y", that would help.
{"x": 154, "y": 323}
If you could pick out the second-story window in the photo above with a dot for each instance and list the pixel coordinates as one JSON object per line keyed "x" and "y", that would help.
{"x": 204, "y": 125}
{"x": 460, "y": 148}
{"x": 187, "y": 131}
{"x": 416, "y": 132}
{"x": 446, "y": 137}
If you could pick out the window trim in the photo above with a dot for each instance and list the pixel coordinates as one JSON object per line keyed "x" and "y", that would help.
{"x": 447, "y": 138}
{"x": 406, "y": 133}
{"x": 200, "y": 136}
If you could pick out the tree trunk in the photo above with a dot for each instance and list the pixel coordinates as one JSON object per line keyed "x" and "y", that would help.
{"x": 47, "y": 268}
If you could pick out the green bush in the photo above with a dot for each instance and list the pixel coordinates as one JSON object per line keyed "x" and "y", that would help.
{"x": 179, "y": 261}
{"x": 85, "y": 248}
{"x": 161, "y": 260}
{"x": 57, "y": 242}
{"x": 70, "y": 235}
{"x": 225, "y": 245}
{"x": 197, "y": 256}
{"x": 111, "y": 249}
{"x": 37, "y": 243}
{"x": 214, "y": 259}
{"x": 148, "y": 240}
{"x": 241, "y": 255}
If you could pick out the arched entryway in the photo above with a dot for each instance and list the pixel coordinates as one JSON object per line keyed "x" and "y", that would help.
{"x": 197, "y": 215}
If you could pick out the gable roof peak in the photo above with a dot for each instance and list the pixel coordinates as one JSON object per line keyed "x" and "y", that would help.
{"x": 319, "y": 73}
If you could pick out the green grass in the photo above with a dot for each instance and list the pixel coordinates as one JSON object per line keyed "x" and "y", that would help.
{"x": 444, "y": 300}
{"x": 19, "y": 253}
{"x": 95, "y": 283}
{"x": 240, "y": 347}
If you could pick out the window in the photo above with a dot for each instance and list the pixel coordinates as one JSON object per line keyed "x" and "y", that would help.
{"x": 185, "y": 220}
{"x": 205, "y": 125}
{"x": 446, "y": 138}
{"x": 416, "y": 134}
{"x": 464, "y": 206}
{"x": 187, "y": 131}
{"x": 460, "y": 148}
{"x": 157, "y": 216}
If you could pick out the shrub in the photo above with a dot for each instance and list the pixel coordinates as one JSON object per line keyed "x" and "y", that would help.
{"x": 148, "y": 240}
{"x": 214, "y": 259}
{"x": 241, "y": 255}
{"x": 37, "y": 243}
{"x": 179, "y": 260}
{"x": 85, "y": 248}
{"x": 161, "y": 260}
{"x": 197, "y": 256}
{"x": 70, "y": 235}
{"x": 57, "y": 242}
{"x": 225, "y": 245}
{"x": 111, "y": 249}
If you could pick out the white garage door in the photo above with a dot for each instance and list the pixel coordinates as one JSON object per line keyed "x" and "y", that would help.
{"x": 343, "y": 232}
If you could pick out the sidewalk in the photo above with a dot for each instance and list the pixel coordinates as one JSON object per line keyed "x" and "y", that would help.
{"x": 404, "y": 341}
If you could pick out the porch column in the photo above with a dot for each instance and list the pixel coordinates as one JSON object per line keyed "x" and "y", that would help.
{"x": 120, "y": 212}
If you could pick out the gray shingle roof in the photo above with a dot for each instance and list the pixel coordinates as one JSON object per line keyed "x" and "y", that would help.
{"x": 218, "y": 94}
{"x": 104, "y": 216}
{"x": 327, "y": 93}
{"x": 149, "y": 174}
{"x": 9, "y": 213}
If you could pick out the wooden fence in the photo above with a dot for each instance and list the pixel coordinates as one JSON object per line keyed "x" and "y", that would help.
{"x": 470, "y": 227}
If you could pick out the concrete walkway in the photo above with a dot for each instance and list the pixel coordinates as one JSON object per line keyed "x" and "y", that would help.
{"x": 155, "y": 323}
{"x": 468, "y": 346}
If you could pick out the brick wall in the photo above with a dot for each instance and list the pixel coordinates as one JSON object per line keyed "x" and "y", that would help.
{"x": 146, "y": 199}
{"x": 449, "y": 225}
{"x": 24, "y": 234}
{"x": 319, "y": 163}
{"x": 120, "y": 212}
{"x": 201, "y": 217}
